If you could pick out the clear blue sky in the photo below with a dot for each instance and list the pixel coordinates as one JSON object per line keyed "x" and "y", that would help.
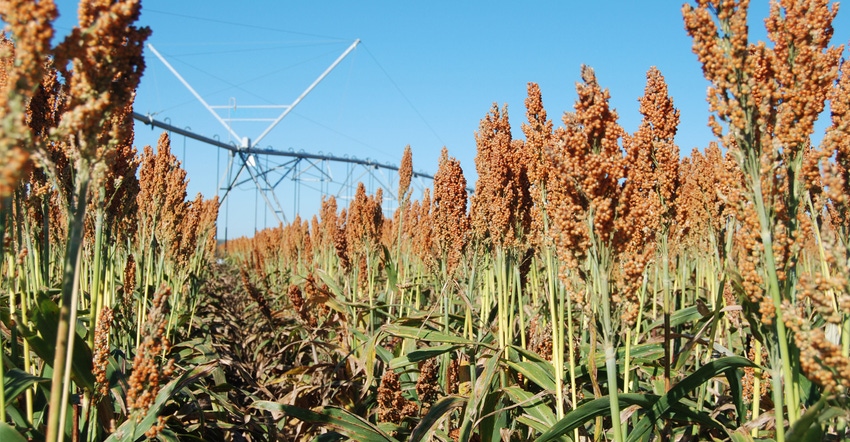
{"x": 425, "y": 74}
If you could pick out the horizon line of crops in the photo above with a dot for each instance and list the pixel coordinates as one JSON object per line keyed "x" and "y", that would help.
{"x": 599, "y": 285}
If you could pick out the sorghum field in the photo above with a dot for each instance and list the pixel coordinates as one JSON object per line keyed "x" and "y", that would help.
{"x": 598, "y": 284}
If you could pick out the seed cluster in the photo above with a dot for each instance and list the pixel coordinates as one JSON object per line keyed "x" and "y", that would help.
{"x": 101, "y": 350}
{"x": 538, "y": 138}
{"x": 450, "y": 223}
{"x": 586, "y": 168}
{"x": 148, "y": 373}
{"x": 262, "y": 302}
{"x": 427, "y": 387}
{"x": 392, "y": 406}
{"x": 500, "y": 208}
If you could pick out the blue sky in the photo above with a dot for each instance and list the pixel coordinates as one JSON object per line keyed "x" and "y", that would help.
{"x": 424, "y": 74}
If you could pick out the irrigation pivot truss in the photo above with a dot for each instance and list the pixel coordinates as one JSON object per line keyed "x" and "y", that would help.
{"x": 267, "y": 168}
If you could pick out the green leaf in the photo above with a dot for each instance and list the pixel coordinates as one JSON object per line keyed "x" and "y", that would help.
{"x": 736, "y": 390}
{"x": 483, "y": 385}
{"x": 679, "y": 317}
{"x": 16, "y": 381}
{"x": 132, "y": 429}
{"x": 335, "y": 289}
{"x": 538, "y": 414}
{"x": 601, "y": 407}
{"x": 642, "y": 353}
{"x": 704, "y": 374}
{"x": 591, "y": 410}
{"x": 391, "y": 269}
{"x": 740, "y": 436}
{"x": 424, "y": 334}
{"x": 421, "y": 355}
{"x": 9, "y": 434}
{"x": 807, "y": 427}
{"x": 338, "y": 419}
{"x": 442, "y": 408}
{"x": 42, "y": 340}
{"x": 493, "y": 416}
{"x": 331, "y": 436}
{"x": 541, "y": 373}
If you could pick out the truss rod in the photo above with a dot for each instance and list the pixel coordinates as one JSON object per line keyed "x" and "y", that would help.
{"x": 150, "y": 121}
{"x": 306, "y": 91}
{"x": 192, "y": 90}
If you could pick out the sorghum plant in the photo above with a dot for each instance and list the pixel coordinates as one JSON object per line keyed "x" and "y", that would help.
{"x": 587, "y": 168}
{"x": 765, "y": 100}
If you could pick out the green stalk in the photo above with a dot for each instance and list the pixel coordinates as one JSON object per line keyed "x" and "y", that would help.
{"x": 520, "y": 311}
{"x": 69, "y": 354}
{"x": 845, "y": 337}
{"x": 444, "y": 297}
{"x": 503, "y": 306}
{"x": 470, "y": 287}
{"x": 370, "y": 289}
{"x": 2, "y": 373}
{"x": 778, "y": 390}
{"x": 68, "y": 310}
{"x": 557, "y": 335}
{"x": 629, "y": 344}
{"x": 4, "y": 204}
{"x": 599, "y": 267}
{"x": 571, "y": 345}
{"x": 487, "y": 290}
{"x": 398, "y": 258}
{"x": 141, "y": 310}
{"x": 3, "y": 380}
{"x": 33, "y": 269}
{"x": 97, "y": 273}
{"x": 610, "y": 358}
{"x": 787, "y": 387}
{"x": 665, "y": 287}
{"x": 756, "y": 408}
{"x": 45, "y": 247}
{"x": 417, "y": 294}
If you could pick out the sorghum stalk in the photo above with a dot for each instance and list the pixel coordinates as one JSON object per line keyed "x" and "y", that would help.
{"x": 556, "y": 319}
{"x": 503, "y": 304}
{"x": 586, "y": 169}
{"x": 666, "y": 310}
{"x": 25, "y": 300}
{"x": 600, "y": 259}
{"x": 769, "y": 100}
{"x": 2, "y": 373}
{"x": 97, "y": 275}
{"x": 60, "y": 383}
{"x": 142, "y": 305}
{"x": 783, "y": 365}
{"x": 756, "y": 406}
{"x": 519, "y": 302}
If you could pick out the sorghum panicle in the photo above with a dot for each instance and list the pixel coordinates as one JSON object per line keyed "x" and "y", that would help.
{"x": 538, "y": 139}
{"x": 405, "y": 174}
{"x": 162, "y": 194}
{"x": 585, "y": 169}
{"x": 30, "y": 26}
{"x": 392, "y": 406}
{"x": 258, "y": 297}
{"x": 450, "y": 222}
{"x": 427, "y": 388}
{"x": 100, "y": 359}
{"x": 148, "y": 372}
{"x": 501, "y": 204}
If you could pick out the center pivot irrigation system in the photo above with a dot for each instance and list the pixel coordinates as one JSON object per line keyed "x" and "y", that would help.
{"x": 290, "y": 165}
